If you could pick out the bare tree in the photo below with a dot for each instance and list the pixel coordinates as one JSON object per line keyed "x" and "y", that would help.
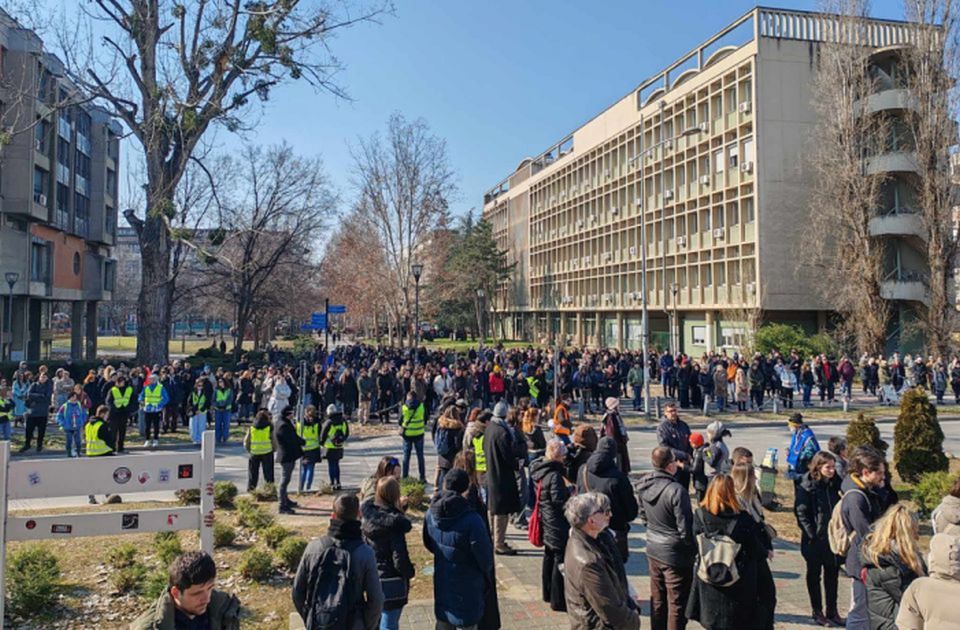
{"x": 404, "y": 184}
{"x": 173, "y": 69}
{"x": 848, "y": 260}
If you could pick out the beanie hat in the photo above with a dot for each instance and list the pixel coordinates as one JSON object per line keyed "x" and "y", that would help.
{"x": 696, "y": 440}
{"x": 795, "y": 419}
{"x": 612, "y": 403}
{"x": 500, "y": 410}
{"x": 456, "y": 480}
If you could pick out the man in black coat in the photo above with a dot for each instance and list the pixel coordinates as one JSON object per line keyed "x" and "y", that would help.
{"x": 665, "y": 509}
{"x": 289, "y": 450}
{"x": 503, "y": 495}
{"x": 674, "y": 433}
{"x": 602, "y": 474}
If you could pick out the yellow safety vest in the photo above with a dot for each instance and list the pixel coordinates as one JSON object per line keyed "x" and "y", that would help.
{"x": 532, "y": 385}
{"x": 478, "y": 456}
{"x": 310, "y": 434}
{"x": 95, "y": 446}
{"x": 199, "y": 402}
{"x": 335, "y": 428}
{"x": 153, "y": 395}
{"x": 121, "y": 399}
{"x": 222, "y": 396}
{"x": 5, "y": 414}
{"x": 413, "y": 421}
{"x": 260, "y": 443}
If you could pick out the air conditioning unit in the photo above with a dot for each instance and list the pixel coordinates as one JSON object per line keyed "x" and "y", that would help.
{"x": 42, "y": 200}
{"x": 586, "y": 260}
{"x": 718, "y": 233}
{"x": 563, "y": 194}
{"x": 553, "y": 232}
{"x": 579, "y": 223}
{"x": 606, "y": 173}
{"x": 606, "y": 256}
{"x": 704, "y": 179}
{"x": 668, "y": 194}
{"x": 744, "y": 107}
{"x": 633, "y": 251}
{"x": 593, "y": 218}
{"x": 553, "y": 200}
{"x": 746, "y": 167}
{"x": 682, "y": 241}
{"x": 614, "y": 210}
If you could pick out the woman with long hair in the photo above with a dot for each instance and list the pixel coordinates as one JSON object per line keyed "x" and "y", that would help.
{"x": 388, "y": 467}
{"x": 748, "y": 494}
{"x": 891, "y": 559}
{"x": 385, "y": 528}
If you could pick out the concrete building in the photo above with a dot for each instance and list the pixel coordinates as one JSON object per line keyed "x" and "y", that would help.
{"x": 702, "y": 162}
{"x": 58, "y": 176}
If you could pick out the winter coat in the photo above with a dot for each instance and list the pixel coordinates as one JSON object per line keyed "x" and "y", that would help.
{"x": 858, "y": 513}
{"x": 453, "y": 429}
{"x": 71, "y": 416}
{"x": 946, "y": 517}
{"x": 665, "y": 510}
{"x": 289, "y": 444}
{"x": 885, "y": 581}
{"x": 733, "y": 607}
{"x": 576, "y": 461}
{"x": 929, "y": 602}
{"x": 474, "y": 429}
{"x": 333, "y": 453}
{"x": 813, "y": 508}
{"x": 463, "y": 556}
{"x": 503, "y": 495}
{"x": 20, "y": 392}
{"x": 279, "y": 397}
{"x": 743, "y": 388}
{"x": 676, "y": 436}
{"x": 553, "y": 495}
{"x": 595, "y": 585}
{"x": 720, "y": 383}
{"x": 385, "y": 530}
{"x": 601, "y": 474}
{"x": 223, "y": 612}
{"x": 364, "y": 577}
{"x": 38, "y": 399}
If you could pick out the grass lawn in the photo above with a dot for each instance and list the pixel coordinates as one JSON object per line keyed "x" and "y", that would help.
{"x": 463, "y": 345}
{"x": 110, "y": 344}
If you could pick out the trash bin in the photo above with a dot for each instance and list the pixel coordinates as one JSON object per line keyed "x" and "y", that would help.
{"x": 768, "y": 479}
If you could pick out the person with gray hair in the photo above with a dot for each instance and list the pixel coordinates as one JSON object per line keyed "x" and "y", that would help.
{"x": 597, "y": 593}
{"x": 552, "y": 492}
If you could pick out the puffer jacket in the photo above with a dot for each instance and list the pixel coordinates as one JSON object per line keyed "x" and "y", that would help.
{"x": 553, "y": 496}
{"x": 665, "y": 510}
{"x": 813, "y": 507}
{"x": 454, "y": 433}
{"x": 946, "y": 518}
{"x": 929, "y": 603}
{"x": 595, "y": 584}
{"x": 38, "y": 399}
{"x": 885, "y": 581}
{"x": 859, "y": 511}
{"x": 223, "y": 612}
{"x": 602, "y": 474}
{"x": 385, "y": 530}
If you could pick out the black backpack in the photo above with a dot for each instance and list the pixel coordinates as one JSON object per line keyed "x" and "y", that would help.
{"x": 446, "y": 444}
{"x": 333, "y": 597}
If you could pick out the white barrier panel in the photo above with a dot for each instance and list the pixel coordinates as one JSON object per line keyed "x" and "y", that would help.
{"x": 128, "y": 474}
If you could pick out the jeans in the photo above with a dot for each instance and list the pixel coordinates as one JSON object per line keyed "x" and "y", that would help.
{"x": 198, "y": 423}
{"x": 390, "y": 619}
{"x": 151, "y": 420}
{"x": 333, "y": 469}
{"x": 246, "y": 412}
{"x": 669, "y": 590}
{"x": 637, "y": 397}
{"x": 828, "y": 566}
{"x": 38, "y": 424}
{"x": 222, "y": 425}
{"x": 807, "y": 390}
{"x": 5, "y": 430}
{"x": 408, "y": 445}
{"x": 286, "y": 474}
{"x": 858, "y": 618}
{"x": 846, "y": 390}
{"x": 73, "y": 442}
{"x": 306, "y": 474}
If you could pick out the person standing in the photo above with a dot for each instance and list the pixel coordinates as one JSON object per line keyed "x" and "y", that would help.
{"x": 289, "y": 450}
{"x": 448, "y": 441}
{"x": 333, "y": 435}
{"x": 385, "y": 529}
{"x": 601, "y": 474}
{"x": 674, "y": 433}
{"x": 261, "y": 443}
{"x": 503, "y": 495}
{"x": 71, "y": 416}
{"x": 38, "y": 400}
{"x": 412, "y": 428}
{"x": 118, "y": 400}
{"x": 946, "y": 516}
{"x": 665, "y": 511}
{"x": 635, "y": 383}
{"x": 153, "y": 399}
{"x": 612, "y": 425}
{"x": 309, "y": 430}
{"x": 222, "y": 404}
{"x": 552, "y": 492}
{"x": 803, "y": 446}
{"x": 21, "y": 389}
{"x": 929, "y": 602}
{"x": 6, "y": 414}
{"x": 198, "y": 406}
{"x": 97, "y": 434}
{"x": 892, "y": 559}
{"x": 366, "y": 385}
{"x": 748, "y": 494}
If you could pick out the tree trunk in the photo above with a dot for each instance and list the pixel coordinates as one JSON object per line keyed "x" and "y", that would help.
{"x": 156, "y": 290}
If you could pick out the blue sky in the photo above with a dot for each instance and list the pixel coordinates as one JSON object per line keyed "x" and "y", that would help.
{"x": 498, "y": 80}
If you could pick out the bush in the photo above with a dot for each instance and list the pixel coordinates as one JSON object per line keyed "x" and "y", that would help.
{"x": 223, "y": 534}
{"x": 256, "y": 564}
{"x": 415, "y": 491}
{"x": 274, "y": 535}
{"x": 931, "y": 489}
{"x": 304, "y": 344}
{"x": 167, "y": 545}
{"x": 129, "y": 579}
{"x": 155, "y": 584}
{"x": 782, "y": 337}
{"x": 291, "y": 550}
{"x": 863, "y": 431}
{"x": 33, "y": 578}
{"x": 188, "y": 497}
{"x": 123, "y": 555}
{"x": 917, "y": 437}
{"x": 265, "y": 493}
{"x": 224, "y": 493}
{"x": 252, "y": 516}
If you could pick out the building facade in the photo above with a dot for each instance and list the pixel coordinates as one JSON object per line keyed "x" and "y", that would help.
{"x": 701, "y": 168}
{"x": 59, "y": 172}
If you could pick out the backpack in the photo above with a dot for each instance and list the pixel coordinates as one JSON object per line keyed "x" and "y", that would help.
{"x": 332, "y": 597}
{"x": 718, "y": 558}
{"x": 446, "y": 445}
{"x": 535, "y": 524}
{"x": 840, "y": 539}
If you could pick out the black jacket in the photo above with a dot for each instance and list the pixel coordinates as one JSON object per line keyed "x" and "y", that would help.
{"x": 676, "y": 436}
{"x": 289, "y": 444}
{"x": 385, "y": 530}
{"x": 553, "y": 496}
{"x": 503, "y": 495}
{"x": 861, "y": 507}
{"x": 602, "y": 474}
{"x": 665, "y": 510}
{"x": 885, "y": 581}
{"x": 575, "y": 462}
{"x": 813, "y": 508}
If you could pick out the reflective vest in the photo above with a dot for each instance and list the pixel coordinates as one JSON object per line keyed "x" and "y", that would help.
{"x": 199, "y": 402}
{"x": 95, "y": 446}
{"x": 260, "y": 443}
{"x": 532, "y": 386}
{"x": 310, "y": 434}
{"x": 413, "y": 421}
{"x": 5, "y": 415}
{"x": 478, "y": 456}
{"x": 153, "y": 395}
{"x": 340, "y": 428}
{"x": 222, "y": 396}
{"x": 121, "y": 399}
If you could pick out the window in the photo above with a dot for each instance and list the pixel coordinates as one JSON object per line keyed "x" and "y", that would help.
{"x": 40, "y": 135}
{"x": 692, "y": 222}
{"x": 733, "y": 214}
{"x": 720, "y": 275}
{"x": 76, "y": 264}
{"x": 112, "y": 183}
{"x": 698, "y": 335}
{"x": 732, "y": 337}
{"x": 707, "y": 276}
{"x": 39, "y": 261}
{"x": 748, "y": 210}
{"x": 718, "y": 217}
{"x": 718, "y": 161}
{"x": 733, "y": 156}
{"x": 694, "y": 277}
{"x": 61, "y": 215}
{"x": 109, "y": 275}
{"x": 81, "y": 222}
{"x": 40, "y": 178}
{"x": 748, "y": 150}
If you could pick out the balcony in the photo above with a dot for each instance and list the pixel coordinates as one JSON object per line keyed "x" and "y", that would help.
{"x": 895, "y": 99}
{"x": 902, "y": 222}
{"x": 907, "y": 286}
{"x": 893, "y": 162}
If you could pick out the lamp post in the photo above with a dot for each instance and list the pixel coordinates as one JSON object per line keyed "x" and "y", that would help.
{"x": 417, "y": 270}
{"x": 480, "y": 328}
{"x": 11, "y": 277}
{"x": 645, "y": 319}
{"x": 674, "y": 326}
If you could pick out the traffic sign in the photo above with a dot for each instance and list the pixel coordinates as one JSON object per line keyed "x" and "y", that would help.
{"x": 337, "y": 309}
{"x": 318, "y": 320}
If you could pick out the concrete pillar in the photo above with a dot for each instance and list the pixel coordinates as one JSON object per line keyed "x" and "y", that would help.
{"x": 578, "y": 331}
{"x": 711, "y": 326}
{"x": 563, "y": 328}
{"x": 821, "y": 321}
{"x": 76, "y": 330}
{"x": 598, "y": 329}
{"x": 621, "y": 338}
{"x": 90, "y": 350}
{"x": 548, "y": 321}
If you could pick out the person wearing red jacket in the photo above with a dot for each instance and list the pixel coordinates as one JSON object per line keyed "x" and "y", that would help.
{"x": 496, "y": 384}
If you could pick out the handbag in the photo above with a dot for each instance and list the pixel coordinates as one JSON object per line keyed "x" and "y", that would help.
{"x": 535, "y": 526}
{"x": 394, "y": 589}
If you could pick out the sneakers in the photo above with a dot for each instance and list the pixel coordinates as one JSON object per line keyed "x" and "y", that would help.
{"x": 24, "y": 449}
{"x": 506, "y": 550}
{"x": 156, "y": 444}
{"x": 835, "y": 618}
{"x": 286, "y": 510}
{"x": 820, "y": 620}
{"x": 146, "y": 444}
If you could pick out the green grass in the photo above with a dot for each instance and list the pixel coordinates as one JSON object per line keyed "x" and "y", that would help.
{"x": 108, "y": 344}
{"x": 462, "y": 345}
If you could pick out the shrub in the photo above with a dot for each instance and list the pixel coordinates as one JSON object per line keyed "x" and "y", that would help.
{"x": 863, "y": 431}
{"x": 256, "y": 564}
{"x": 254, "y": 517}
{"x": 224, "y": 493}
{"x": 167, "y": 545}
{"x": 33, "y": 578}
{"x": 931, "y": 489}
{"x": 155, "y": 584}
{"x": 291, "y": 550}
{"x": 783, "y": 337}
{"x": 265, "y": 493}
{"x": 223, "y": 534}
{"x": 123, "y": 555}
{"x": 129, "y": 579}
{"x": 917, "y": 437}
{"x": 274, "y": 535}
{"x": 188, "y": 497}
{"x": 415, "y": 491}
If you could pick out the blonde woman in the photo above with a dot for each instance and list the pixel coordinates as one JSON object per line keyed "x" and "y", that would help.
{"x": 891, "y": 559}
{"x": 745, "y": 485}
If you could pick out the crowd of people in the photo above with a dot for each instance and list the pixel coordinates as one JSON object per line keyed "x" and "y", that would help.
{"x": 509, "y": 451}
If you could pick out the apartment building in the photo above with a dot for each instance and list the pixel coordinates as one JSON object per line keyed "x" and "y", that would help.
{"x": 59, "y": 170}
{"x": 701, "y": 167}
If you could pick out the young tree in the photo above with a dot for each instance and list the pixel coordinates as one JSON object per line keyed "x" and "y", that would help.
{"x": 171, "y": 71}
{"x": 917, "y": 437}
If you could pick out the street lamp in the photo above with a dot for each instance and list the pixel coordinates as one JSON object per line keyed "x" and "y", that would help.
{"x": 645, "y": 320}
{"x": 480, "y": 328}
{"x": 11, "y": 277}
{"x": 417, "y": 270}
{"x": 675, "y": 325}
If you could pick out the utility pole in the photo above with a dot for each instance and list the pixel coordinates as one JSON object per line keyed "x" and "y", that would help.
{"x": 326, "y": 325}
